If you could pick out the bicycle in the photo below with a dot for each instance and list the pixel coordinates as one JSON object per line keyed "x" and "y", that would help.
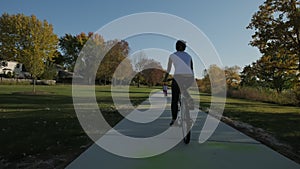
{"x": 184, "y": 120}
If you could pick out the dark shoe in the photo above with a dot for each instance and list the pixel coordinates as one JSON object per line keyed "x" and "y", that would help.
{"x": 172, "y": 122}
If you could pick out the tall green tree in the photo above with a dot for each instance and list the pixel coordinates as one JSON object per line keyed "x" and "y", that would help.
{"x": 58, "y": 58}
{"x": 92, "y": 52}
{"x": 27, "y": 40}
{"x": 277, "y": 26}
{"x": 50, "y": 71}
{"x": 71, "y": 45}
{"x": 278, "y": 72}
{"x": 249, "y": 76}
{"x": 116, "y": 51}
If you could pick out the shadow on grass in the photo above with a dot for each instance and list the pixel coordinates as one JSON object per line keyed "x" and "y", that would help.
{"x": 38, "y": 125}
{"x": 43, "y": 126}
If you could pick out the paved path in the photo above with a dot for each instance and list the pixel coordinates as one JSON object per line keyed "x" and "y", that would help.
{"x": 226, "y": 149}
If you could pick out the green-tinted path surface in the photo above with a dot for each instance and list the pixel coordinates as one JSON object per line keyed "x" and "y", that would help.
{"x": 227, "y": 148}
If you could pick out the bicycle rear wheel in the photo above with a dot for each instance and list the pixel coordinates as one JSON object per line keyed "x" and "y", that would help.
{"x": 185, "y": 122}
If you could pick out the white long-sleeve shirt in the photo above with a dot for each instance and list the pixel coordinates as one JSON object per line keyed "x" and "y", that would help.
{"x": 182, "y": 63}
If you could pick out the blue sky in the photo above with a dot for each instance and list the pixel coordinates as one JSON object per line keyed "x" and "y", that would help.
{"x": 223, "y": 22}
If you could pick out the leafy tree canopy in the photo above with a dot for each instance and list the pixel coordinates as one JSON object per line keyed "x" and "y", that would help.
{"x": 28, "y": 40}
{"x": 277, "y": 27}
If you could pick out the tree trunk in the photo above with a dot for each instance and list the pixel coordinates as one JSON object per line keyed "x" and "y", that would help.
{"x": 138, "y": 81}
{"x": 299, "y": 62}
{"x": 34, "y": 84}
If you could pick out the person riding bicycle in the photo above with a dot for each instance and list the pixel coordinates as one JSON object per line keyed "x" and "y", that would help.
{"x": 183, "y": 77}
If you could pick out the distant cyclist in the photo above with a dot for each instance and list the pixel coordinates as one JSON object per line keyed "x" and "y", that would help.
{"x": 183, "y": 77}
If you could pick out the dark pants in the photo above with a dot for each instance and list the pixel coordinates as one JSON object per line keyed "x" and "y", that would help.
{"x": 184, "y": 84}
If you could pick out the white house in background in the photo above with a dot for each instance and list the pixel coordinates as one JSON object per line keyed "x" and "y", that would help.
{"x": 14, "y": 68}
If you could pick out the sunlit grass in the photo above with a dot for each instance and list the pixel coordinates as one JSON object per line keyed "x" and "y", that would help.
{"x": 46, "y": 124}
{"x": 281, "y": 121}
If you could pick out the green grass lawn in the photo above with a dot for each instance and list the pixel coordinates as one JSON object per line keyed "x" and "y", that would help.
{"x": 281, "y": 121}
{"x": 38, "y": 125}
{"x": 45, "y": 125}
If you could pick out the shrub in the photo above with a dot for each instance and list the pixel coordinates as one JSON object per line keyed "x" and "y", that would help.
{"x": 10, "y": 81}
{"x": 287, "y": 97}
{"x": 297, "y": 94}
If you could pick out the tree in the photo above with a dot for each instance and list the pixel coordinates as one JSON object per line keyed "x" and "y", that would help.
{"x": 90, "y": 56}
{"x": 123, "y": 73}
{"x": 277, "y": 26}
{"x": 213, "y": 80}
{"x": 50, "y": 71}
{"x": 117, "y": 52}
{"x": 71, "y": 46}
{"x": 278, "y": 72}
{"x": 58, "y": 58}
{"x": 204, "y": 83}
{"x": 249, "y": 76}
{"x": 153, "y": 72}
{"x": 233, "y": 78}
{"x": 139, "y": 62}
{"x": 27, "y": 40}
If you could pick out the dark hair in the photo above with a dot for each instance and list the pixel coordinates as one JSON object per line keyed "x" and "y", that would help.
{"x": 180, "y": 45}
